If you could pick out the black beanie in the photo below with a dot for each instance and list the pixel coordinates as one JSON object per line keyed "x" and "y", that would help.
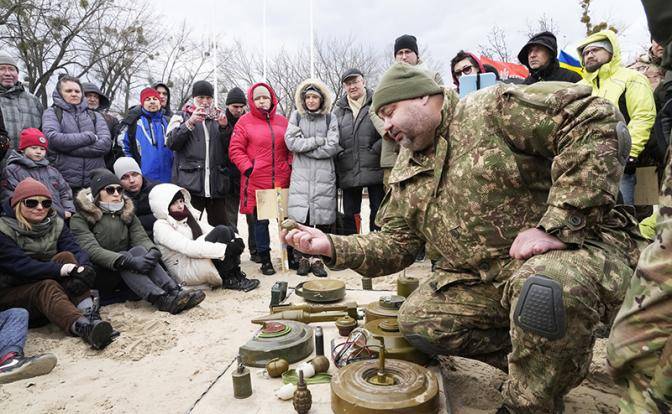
{"x": 101, "y": 178}
{"x": 236, "y": 96}
{"x": 406, "y": 42}
{"x": 202, "y": 88}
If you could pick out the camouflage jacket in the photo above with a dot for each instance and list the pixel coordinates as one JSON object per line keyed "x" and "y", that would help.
{"x": 506, "y": 159}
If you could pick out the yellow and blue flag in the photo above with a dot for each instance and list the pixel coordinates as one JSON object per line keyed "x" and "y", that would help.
{"x": 568, "y": 61}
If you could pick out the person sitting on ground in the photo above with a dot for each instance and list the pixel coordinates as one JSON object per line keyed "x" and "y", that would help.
{"x": 312, "y": 136}
{"x": 123, "y": 255}
{"x": 137, "y": 188}
{"x": 194, "y": 252}
{"x": 146, "y": 143}
{"x": 30, "y": 161}
{"x": 14, "y": 365}
{"x": 43, "y": 269}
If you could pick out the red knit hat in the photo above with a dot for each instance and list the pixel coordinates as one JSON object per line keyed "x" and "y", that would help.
{"x": 29, "y": 187}
{"x": 148, "y": 93}
{"x": 32, "y": 137}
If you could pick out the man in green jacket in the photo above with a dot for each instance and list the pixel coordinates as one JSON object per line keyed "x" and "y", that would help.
{"x": 628, "y": 89}
{"x": 513, "y": 190}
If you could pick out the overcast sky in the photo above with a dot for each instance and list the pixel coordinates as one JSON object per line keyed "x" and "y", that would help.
{"x": 442, "y": 27}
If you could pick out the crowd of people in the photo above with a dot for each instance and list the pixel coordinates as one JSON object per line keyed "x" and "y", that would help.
{"x": 98, "y": 210}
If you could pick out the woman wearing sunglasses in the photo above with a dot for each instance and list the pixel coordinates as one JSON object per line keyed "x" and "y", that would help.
{"x": 123, "y": 255}
{"x": 43, "y": 269}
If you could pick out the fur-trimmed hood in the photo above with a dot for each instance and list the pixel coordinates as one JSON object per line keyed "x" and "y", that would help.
{"x": 328, "y": 96}
{"x": 93, "y": 214}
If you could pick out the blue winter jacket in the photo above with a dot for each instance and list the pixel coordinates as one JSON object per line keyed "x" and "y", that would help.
{"x": 148, "y": 146}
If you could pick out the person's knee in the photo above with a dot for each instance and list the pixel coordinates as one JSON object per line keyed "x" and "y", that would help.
{"x": 64, "y": 257}
{"x": 17, "y": 313}
{"x": 138, "y": 251}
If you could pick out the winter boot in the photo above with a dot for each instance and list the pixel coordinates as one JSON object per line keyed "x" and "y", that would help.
{"x": 93, "y": 313}
{"x": 196, "y": 296}
{"x": 14, "y": 366}
{"x": 304, "y": 267}
{"x": 96, "y": 333}
{"x": 173, "y": 303}
{"x": 255, "y": 257}
{"x": 246, "y": 284}
{"x": 266, "y": 265}
{"x": 317, "y": 267}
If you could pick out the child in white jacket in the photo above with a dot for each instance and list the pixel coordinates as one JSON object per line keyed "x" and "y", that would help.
{"x": 194, "y": 252}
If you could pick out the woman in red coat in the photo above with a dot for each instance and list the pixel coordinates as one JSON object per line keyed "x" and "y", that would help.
{"x": 258, "y": 149}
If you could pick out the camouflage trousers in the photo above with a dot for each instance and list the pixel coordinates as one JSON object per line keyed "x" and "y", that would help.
{"x": 474, "y": 320}
{"x": 643, "y": 366}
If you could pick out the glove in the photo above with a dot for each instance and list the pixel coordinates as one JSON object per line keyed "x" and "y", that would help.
{"x": 154, "y": 255}
{"x": 235, "y": 247}
{"x": 67, "y": 268}
{"x": 248, "y": 172}
{"x": 631, "y": 166}
{"x": 84, "y": 273}
{"x": 80, "y": 281}
{"x": 138, "y": 264}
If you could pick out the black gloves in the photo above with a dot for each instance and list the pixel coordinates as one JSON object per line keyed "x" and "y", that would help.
{"x": 631, "y": 166}
{"x": 153, "y": 254}
{"x": 138, "y": 264}
{"x": 80, "y": 280}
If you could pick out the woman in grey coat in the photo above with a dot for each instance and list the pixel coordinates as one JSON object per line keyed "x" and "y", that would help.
{"x": 312, "y": 136}
{"x": 78, "y": 137}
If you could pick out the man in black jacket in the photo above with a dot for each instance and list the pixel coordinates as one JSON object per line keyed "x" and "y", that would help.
{"x": 540, "y": 56}
{"x": 358, "y": 165}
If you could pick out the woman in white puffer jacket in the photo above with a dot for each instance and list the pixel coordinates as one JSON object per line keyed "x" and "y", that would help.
{"x": 194, "y": 252}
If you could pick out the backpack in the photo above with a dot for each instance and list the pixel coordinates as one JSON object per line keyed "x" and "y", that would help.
{"x": 59, "y": 115}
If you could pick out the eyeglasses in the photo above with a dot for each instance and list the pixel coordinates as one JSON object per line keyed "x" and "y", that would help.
{"x": 33, "y": 203}
{"x": 591, "y": 51}
{"x": 464, "y": 71}
{"x": 111, "y": 189}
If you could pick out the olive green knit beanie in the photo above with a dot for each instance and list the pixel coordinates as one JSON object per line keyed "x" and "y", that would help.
{"x": 403, "y": 81}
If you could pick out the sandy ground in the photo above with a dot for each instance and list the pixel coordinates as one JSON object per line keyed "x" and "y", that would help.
{"x": 179, "y": 364}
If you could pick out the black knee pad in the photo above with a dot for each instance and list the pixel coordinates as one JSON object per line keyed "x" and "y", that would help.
{"x": 540, "y": 309}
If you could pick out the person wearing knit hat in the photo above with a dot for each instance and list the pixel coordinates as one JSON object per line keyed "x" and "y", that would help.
{"x": 126, "y": 260}
{"x": 236, "y": 96}
{"x": 235, "y": 108}
{"x": 146, "y": 141}
{"x": 137, "y": 188}
{"x": 50, "y": 275}
{"x": 467, "y": 185}
{"x": 406, "y": 49}
{"x": 201, "y": 154}
{"x": 628, "y": 90}
{"x": 401, "y": 82}
{"x": 30, "y": 161}
{"x": 202, "y": 88}
{"x": 20, "y": 109}
{"x": 29, "y": 187}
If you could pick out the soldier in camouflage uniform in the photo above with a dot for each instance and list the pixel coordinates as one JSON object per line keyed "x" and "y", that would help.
{"x": 512, "y": 189}
{"x": 640, "y": 345}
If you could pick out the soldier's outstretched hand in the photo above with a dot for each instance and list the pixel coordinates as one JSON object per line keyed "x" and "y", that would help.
{"x": 308, "y": 240}
{"x": 532, "y": 242}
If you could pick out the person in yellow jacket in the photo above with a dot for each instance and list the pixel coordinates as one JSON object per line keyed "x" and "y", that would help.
{"x": 625, "y": 88}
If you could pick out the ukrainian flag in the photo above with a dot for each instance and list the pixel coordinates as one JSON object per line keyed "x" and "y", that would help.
{"x": 568, "y": 61}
